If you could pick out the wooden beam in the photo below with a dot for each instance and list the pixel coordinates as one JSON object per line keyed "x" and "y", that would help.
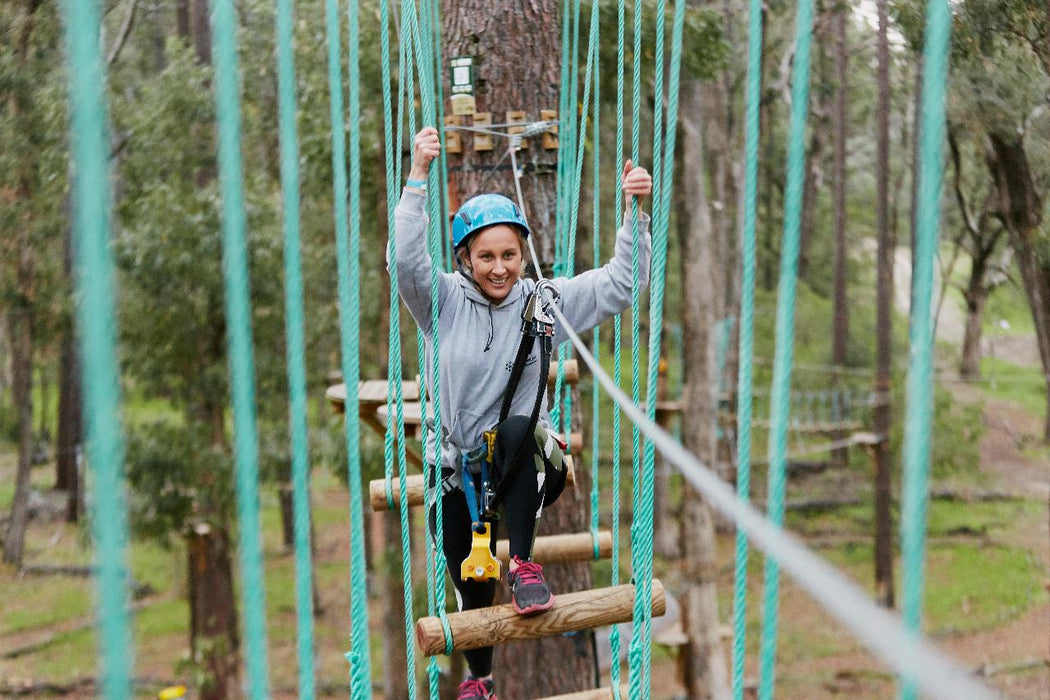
{"x": 572, "y": 373}
{"x": 377, "y": 488}
{"x": 558, "y": 549}
{"x": 571, "y": 612}
{"x": 594, "y": 694}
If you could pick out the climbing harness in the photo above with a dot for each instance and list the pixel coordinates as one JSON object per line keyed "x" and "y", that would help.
{"x": 482, "y": 499}
{"x": 537, "y": 322}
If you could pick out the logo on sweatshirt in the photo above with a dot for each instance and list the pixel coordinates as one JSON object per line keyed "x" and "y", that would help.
{"x": 531, "y": 360}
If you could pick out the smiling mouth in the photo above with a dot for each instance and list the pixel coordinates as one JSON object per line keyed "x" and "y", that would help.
{"x": 498, "y": 282}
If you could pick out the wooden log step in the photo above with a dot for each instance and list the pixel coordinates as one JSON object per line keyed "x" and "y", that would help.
{"x": 572, "y": 373}
{"x": 571, "y": 612}
{"x": 377, "y": 488}
{"x": 557, "y": 549}
{"x": 594, "y": 694}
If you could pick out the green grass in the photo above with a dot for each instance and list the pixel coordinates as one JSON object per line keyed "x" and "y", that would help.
{"x": 1008, "y": 303}
{"x": 969, "y": 586}
{"x": 1006, "y": 381}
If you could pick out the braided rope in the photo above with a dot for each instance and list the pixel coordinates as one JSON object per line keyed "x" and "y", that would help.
{"x": 780, "y": 405}
{"x": 621, "y": 60}
{"x": 394, "y": 437}
{"x": 239, "y": 341}
{"x": 918, "y": 418}
{"x": 350, "y": 306}
{"x": 746, "y": 340}
{"x": 96, "y": 322}
{"x": 294, "y": 333}
{"x": 596, "y": 333}
{"x": 636, "y": 675}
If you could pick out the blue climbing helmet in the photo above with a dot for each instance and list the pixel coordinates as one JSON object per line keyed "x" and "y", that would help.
{"x": 482, "y": 211}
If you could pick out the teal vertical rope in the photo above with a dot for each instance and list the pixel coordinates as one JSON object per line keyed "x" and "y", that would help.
{"x": 293, "y": 304}
{"x": 358, "y": 657}
{"x": 747, "y": 339}
{"x": 918, "y": 414}
{"x": 785, "y": 332}
{"x": 661, "y": 226}
{"x": 350, "y": 317}
{"x": 621, "y": 59}
{"x": 566, "y": 144}
{"x": 596, "y": 223}
{"x": 435, "y": 218}
{"x": 635, "y": 655}
{"x": 238, "y": 321}
{"x": 395, "y": 357}
{"x": 96, "y": 321}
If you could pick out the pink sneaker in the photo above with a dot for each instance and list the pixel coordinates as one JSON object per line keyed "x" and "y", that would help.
{"x": 528, "y": 589}
{"x": 473, "y": 689}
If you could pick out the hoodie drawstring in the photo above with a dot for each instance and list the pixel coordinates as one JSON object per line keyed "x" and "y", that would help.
{"x": 488, "y": 343}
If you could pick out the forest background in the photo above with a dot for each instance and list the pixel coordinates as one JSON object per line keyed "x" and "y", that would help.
{"x": 994, "y": 258}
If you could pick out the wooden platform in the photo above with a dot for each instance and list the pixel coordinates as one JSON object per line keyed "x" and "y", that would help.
{"x": 571, "y": 612}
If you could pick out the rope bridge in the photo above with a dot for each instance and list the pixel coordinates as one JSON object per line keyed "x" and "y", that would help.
{"x": 897, "y": 642}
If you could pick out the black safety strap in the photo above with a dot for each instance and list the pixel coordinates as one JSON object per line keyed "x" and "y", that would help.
{"x": 524, "y": 349}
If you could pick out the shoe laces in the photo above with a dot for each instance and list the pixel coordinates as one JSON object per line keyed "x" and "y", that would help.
{"x": 528, "y": 572}
{"x": 472, "y": 688}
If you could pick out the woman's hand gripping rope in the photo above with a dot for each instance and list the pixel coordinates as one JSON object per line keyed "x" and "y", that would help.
{"x": 426, "y": 147}
{"x": 636, "y": 182}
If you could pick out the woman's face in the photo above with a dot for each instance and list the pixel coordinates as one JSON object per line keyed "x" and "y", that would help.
{"x": 495, "y": 259}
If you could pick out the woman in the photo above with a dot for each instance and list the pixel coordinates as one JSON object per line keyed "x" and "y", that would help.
{"x": 479, "y": 332}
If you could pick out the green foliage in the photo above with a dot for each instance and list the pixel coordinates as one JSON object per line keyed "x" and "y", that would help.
{"x": 177, "y": 474}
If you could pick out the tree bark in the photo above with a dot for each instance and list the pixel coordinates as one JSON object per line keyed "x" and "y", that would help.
{"x": 840, "y": 312}
{"x": 665, "y": 535}
{"x": 213, "y": 616}
{"x": 21, "y": 330}
{"x": 703, "y": 663}
{"x": 1021, "y": 210}
{"x": 883, "y": 329}
{"x": 69, "y": 432}
{"x": 976, "y": 295}
{"x": 387, "y": 556}
{"x": 21, "y": 319}
{"x": 498, "y": 35}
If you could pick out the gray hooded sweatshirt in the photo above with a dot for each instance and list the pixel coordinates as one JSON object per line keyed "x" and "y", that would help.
{"x": 478, "y": 340}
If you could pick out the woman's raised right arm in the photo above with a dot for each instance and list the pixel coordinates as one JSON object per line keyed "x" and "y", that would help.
{"x": 410, "y": 229}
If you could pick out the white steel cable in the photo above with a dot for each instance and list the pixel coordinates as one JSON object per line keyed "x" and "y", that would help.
{"x": 880, "y": 631}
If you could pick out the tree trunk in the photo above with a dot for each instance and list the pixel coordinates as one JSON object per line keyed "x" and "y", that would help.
{"x": 665, "y": 532}
{"x": 1021, "y": 209}
{"x": 976, "y": 295}
{"x": 883, "y": 330}
{"x": 69, "y": 432}
{"x": 21, "y": 331}
{"x": 70, "y": 429}
{"x": 702, "y": 663}
{"x": 387, "y": 557}
{"x": 840, "y": 313}
{"x": 498, "y": 35}
{"x": 213, "y": 616}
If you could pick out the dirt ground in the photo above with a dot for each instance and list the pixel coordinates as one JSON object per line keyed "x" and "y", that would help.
{"x": 818, "y": 658}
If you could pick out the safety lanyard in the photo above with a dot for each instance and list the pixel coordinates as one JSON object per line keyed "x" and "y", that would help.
{"x": 470, "y": 489}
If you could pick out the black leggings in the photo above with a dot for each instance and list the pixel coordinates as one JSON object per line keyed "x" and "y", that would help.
{"x": 525, "y": 495}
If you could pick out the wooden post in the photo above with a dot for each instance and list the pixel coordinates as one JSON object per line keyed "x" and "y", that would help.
{"x": 572, "y": 611}
{"x": 883, "y": 330}
{"x": 213, "y": 619}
